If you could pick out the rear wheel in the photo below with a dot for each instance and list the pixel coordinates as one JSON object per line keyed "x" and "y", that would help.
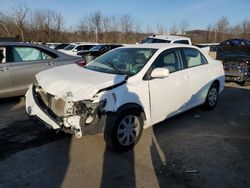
{"x": 124, "y": 130}
{"x": 212, "y": 97}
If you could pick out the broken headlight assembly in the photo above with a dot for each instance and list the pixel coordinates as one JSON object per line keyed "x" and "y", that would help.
{"x": 90, "y": 115}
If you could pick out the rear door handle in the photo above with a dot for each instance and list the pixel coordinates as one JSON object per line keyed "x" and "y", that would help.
{"x": 3, "y": 69}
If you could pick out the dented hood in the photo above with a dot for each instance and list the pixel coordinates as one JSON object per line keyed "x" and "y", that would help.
{"x": 75, "y": 82}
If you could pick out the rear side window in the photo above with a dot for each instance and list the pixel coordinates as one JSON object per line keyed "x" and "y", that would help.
{"x": 154, "y": 40}
{"x": 181, "y": 42}
{"x": 21, "y": 54}
{"x": 84, "y": 47}
{"x": 88, "y": 47}
{"x": 194, "y": 57}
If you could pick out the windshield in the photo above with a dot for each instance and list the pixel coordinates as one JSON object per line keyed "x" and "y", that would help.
{"x": 69, "y": 47}
{"x": 154, "y": 40}
{"x": 127, "y": 61}
{"x": 96, "y": 48}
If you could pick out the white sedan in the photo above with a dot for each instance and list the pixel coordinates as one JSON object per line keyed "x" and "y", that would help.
{"x": 74, "y": 48}
{"x": 126, "y": 90}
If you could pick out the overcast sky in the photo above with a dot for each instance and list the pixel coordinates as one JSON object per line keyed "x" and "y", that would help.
{"x": 198, "y": 13}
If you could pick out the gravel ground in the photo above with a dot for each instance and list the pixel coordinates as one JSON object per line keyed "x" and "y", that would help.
{"x": 195, "y": 149}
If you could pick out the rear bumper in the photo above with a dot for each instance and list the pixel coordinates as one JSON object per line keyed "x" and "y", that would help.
{"x": 236, "y": 77}
{"x": 39, "y": 112}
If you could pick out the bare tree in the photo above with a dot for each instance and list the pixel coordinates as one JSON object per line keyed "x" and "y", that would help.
{"x": 126, "y": 23}
{"x": 209, "y": 29}
{"x": 96, "y": 23}
{"x": 245, "y": 25}
{"x": 46, "y": 25}
{"x": 20, "y": 15}
{"x": 127, "y": 27}
{"x": 6, "y": 23}
{"x": 173, "y": 30}
{"x": 161, "y": 29}
{"x": 83, "y": 30}
{"x": 183, "y": 26}
{"x": 222, "y": 27}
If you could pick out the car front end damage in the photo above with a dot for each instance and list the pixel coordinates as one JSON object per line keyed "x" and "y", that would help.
{"x": 74, "y": 117}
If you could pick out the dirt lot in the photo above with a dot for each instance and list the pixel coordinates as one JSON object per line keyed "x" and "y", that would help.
{"x": 195, "y": 149}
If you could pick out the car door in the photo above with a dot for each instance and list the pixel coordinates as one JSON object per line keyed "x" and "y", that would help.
{"x": 199, "y": 73}
{"x": 27, "y": 62}
{"x": 6, "y": 86}
{"x": 168, "y": 95}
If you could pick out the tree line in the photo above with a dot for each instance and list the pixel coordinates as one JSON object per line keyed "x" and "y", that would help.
{"x": 47, "y": 25}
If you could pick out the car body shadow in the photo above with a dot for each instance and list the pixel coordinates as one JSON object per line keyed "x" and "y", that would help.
{"x": 205, "y": 148}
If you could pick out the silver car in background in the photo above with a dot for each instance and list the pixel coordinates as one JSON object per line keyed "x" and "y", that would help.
{"x": 19, "y": 62}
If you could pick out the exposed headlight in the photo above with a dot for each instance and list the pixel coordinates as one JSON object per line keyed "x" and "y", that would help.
{"x": 102, "y": 104}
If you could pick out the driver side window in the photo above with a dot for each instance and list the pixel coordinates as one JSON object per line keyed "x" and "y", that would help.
{"x": 170, "y": 59}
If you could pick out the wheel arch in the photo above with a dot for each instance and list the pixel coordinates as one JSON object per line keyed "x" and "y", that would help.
{"x": 130, "y": 106}
{"x": 217, "y": 83}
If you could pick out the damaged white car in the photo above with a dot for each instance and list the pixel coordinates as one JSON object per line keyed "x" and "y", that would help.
{"x": 125, "y": 90}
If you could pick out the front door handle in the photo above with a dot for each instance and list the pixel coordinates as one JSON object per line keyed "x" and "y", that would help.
{"x": 51, "y": 64}
{"x": 3, "y": 69}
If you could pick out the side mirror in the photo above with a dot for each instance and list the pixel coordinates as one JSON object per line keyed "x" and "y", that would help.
{"x": 160, "y": 73}
{"x": 75, "y": 50}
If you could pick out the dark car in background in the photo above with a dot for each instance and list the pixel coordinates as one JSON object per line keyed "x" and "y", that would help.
{"x": 233, "y": 48}
{"x": 235, "y": 56}
{"x": 89, "y": 55}
{"x": 61, "y": 46}
{"x": 19, "y": 62}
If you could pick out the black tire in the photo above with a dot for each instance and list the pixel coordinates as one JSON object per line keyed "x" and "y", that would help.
{"x": 114, "y": 122}
{"x": 212, "y": 97}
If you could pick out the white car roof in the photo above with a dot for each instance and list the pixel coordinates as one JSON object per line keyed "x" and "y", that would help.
{"x": 159, "y": 45}
{"x": 169, "y": 37}
{"x": 85, "y": 43}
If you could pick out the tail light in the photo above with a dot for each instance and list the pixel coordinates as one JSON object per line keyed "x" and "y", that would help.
{"x": 243, "y": 67}
{"x": 243, "y": 64}
{"x": 81, "y": 63}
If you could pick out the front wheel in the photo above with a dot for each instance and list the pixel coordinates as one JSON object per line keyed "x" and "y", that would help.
{"x": 123, "y": 131}
{"x": 212, "y": 97}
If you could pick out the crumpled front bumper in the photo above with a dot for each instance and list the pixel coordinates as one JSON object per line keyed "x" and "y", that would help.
{"x": 36, "y": 110}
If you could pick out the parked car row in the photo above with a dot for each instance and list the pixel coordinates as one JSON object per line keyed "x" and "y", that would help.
{"x": 96, "y": 51}
{"x": 74, "y": 48}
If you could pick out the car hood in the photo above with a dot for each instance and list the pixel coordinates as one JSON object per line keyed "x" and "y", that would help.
{"x": 76, "y": 82}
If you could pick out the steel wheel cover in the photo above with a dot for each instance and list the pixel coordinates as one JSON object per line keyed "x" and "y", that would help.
{"x": 128, "y": 130}
{"x": 212, "y": 96}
